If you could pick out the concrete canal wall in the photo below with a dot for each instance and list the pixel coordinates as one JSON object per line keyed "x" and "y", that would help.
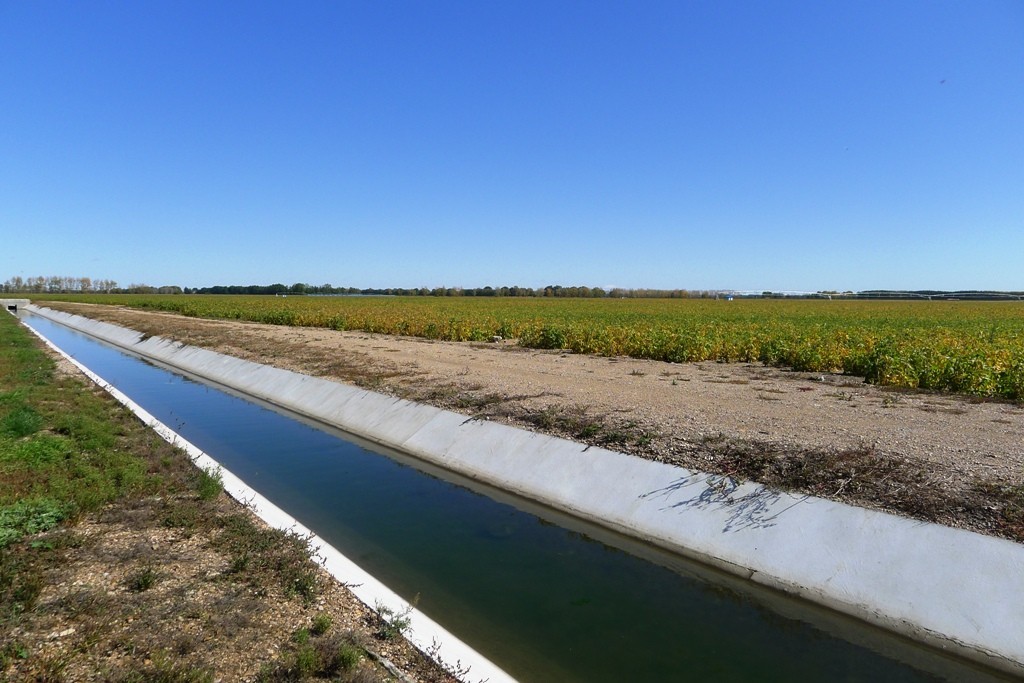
{"x": 13, "y": 305}
{"x": 956, "y": 590}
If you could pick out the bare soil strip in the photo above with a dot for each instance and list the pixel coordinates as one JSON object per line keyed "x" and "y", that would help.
{"x": 954, "y": 460}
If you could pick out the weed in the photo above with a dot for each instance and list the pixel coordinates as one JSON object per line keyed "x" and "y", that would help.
{"x": 306, "y": 660}
{"x": 637, "y": 373}
{"x": 233, "y": 613}
{"x": 239, "y": 563}
{"x": 142, "y": 580}
{"x": 338, "y": 655}
{"x": 321, "y": 624}
{"x": 1009, "y": 505}
{"x": 29, "y": 517}
{"x": 163, "y": 667}
{"x": 457, "y": 670}
{"x": 46, "y": 667}
{"x": 186, "y": 644}
{"x": 187, "y": 515}
{"x": 269, "y": 555}
{"x": 21, "y": 582}
{"x": 393, "y": 623}
{"x": 36, "y": 452}
{"x": 210, "y": 483}
{"x": 84, "y": 602}
{"x": 863, "y": 474}
{"x": 328, "y": 657}
{"x": 12, "y": 651}
{"x": 615, "y": 437}
{"x": 545, "y": 419}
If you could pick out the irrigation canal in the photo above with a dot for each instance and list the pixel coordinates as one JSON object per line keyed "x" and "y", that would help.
{"x": 545, "y": 597}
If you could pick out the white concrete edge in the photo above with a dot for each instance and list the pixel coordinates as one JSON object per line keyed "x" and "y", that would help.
{"x": 426, "y": 634}
{"x": 955, "y": 590}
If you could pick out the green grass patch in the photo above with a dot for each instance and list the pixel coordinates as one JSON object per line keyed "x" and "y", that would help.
{"x": 29, "y": 517}
{"x": 21, "y": 420}
{"x": 60, "y": 445}
{"x": 39, "y": 451}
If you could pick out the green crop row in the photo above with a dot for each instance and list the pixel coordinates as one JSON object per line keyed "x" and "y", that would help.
{"x": 973, "y": 348}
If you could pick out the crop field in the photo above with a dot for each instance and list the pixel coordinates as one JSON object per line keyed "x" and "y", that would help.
{"x": 974, "y": 348}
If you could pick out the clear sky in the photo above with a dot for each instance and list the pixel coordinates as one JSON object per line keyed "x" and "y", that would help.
{"x": 796, "y": 145}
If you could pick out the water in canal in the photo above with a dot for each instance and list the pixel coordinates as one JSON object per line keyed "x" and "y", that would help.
{"x": 545, "y": 598}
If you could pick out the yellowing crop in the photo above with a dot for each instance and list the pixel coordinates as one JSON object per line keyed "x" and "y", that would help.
{"x": 973, "y": 348}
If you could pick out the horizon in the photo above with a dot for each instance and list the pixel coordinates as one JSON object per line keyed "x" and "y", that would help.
{"x": 733, "y": 146}
{"x": 70, "y": 285}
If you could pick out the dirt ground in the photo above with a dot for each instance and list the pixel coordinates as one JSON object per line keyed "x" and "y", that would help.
{"x": 946, "y": 458}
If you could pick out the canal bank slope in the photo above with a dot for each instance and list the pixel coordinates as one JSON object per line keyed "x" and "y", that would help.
{"x": 903, "y": 575}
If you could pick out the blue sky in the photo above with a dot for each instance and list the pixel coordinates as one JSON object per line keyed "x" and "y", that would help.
{"x": 704, "y": 145}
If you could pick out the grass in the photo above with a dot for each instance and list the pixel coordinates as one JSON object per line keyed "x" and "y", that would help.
{"x": 58, "y": 454}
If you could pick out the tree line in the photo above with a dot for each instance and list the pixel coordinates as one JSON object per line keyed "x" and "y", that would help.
{"x": 304, "y": 289}
{"x": 62, "y": 284}
{"x": 85, "y": 285}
